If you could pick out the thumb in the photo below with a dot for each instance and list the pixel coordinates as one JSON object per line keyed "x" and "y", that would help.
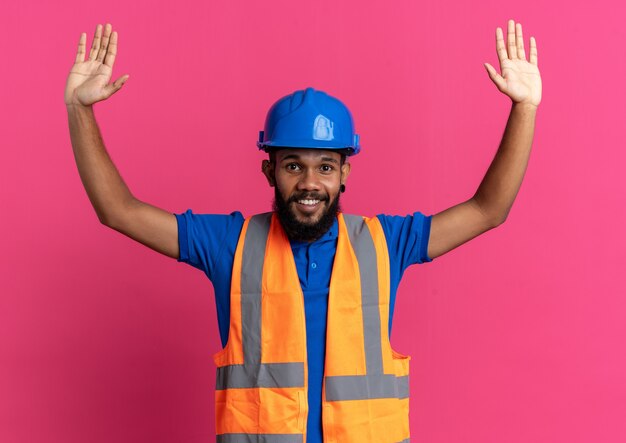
{"x": 495, "y": 77}
{"x": 116, "y": 85}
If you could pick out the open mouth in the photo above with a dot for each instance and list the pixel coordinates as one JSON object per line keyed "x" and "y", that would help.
{"x": 308, "y": 202}
{"x": 308, "y": 205}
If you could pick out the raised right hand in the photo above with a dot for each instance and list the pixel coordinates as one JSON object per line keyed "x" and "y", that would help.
{"x": 88, "y": 80}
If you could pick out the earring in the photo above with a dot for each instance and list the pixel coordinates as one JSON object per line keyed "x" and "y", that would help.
{"x": 342, "y": 188}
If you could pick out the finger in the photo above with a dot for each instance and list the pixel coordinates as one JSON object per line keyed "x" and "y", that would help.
{"x": 80, "y": 54}
{"x": 111, "y": 51}
{"x": 105, "y": 42}
{"x": 500, "y": 48}
{"x": 519, "y": 38}
{"x": 495, "y": 77}
{"x": 533, "y": 51}
{"x": 96, "y": 43}
{"x": 115, "y": 86}
{"x": 510, "y": 37}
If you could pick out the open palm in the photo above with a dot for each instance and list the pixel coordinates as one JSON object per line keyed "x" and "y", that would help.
{"x": 520, "y": 79}
{"x": 88, "y": 80}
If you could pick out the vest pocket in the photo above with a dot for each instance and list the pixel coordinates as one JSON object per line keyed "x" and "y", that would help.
{"x": 236, "y": 412}
{"x": 302, "y": 409}
{"x": 400, "y": 363}
{"x": 220, "y": 357}
{"x": 328, "y": 424}
{"x": 281, "y": 410}
{"x": 401, "y": 369}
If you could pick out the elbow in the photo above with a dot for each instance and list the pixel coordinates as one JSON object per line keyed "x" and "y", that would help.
{"x": 493, "y": 217}
{"x": 104, "y": 220}
{"x": 114, "y": 215}
{"x": 497, "y": 220}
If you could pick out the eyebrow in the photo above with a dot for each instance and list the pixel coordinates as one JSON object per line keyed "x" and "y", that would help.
{"x": 297, "y": 157}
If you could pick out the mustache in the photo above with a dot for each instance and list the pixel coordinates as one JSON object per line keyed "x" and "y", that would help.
{"x": 307, "y": 196}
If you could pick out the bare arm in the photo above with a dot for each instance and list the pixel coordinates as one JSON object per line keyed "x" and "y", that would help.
{"x": 113, "y": 202}
{"x": 493, "y": 200}
{"x": 490, "y": 205}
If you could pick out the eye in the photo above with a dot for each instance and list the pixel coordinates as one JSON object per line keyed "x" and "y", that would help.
{"x": 326, "y": 168}
{"x": 293, "y": 167}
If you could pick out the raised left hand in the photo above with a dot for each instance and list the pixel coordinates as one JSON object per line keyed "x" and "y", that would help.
{"x": 520, "y": 79}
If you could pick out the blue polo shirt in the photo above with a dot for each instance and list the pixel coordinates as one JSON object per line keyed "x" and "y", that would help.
{"x": 208, "y": 242}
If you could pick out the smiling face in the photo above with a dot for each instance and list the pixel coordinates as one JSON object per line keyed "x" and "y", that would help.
{"x": 307, "y": 183}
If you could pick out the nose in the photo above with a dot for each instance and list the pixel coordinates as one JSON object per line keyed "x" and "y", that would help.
{"x": 309, "y": 181}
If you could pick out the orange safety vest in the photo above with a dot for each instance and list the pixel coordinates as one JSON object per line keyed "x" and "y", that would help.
{"x": 261, "y": 384}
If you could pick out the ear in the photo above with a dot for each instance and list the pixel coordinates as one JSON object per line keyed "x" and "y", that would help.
{"x": 268, "y": 170}
{"x": 345, "y": 171}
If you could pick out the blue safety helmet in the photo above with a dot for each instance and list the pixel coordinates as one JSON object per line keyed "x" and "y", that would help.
{"x": 309, "y": 118}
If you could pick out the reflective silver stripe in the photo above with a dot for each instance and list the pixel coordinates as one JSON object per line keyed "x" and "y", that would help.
{"x": 363, "y": 387}
{"x": 264, "y": 375}
{"x": 260, "y": 438}
{"x": 403, "y": 386}
{"x": 363, "y": 245}
{"x": 251, "y": 281}
{"x": 407, "y": 440}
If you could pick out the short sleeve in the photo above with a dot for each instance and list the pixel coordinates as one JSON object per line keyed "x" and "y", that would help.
{"x": 202, "y": 237}
{"x": 407, "y": 238}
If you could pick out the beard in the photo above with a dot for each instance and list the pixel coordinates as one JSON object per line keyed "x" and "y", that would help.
{"x": 301, "y": 231}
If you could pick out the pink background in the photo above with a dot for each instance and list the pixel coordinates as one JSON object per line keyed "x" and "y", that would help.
{"x": 516, "y": 336}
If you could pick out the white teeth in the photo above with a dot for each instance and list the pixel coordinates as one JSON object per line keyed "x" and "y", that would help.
{"x": 308, "y": 202}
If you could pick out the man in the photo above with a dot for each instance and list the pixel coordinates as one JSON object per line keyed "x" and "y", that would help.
{"x": 305, "y": 293}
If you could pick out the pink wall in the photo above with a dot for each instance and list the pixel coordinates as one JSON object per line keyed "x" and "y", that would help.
{"x": 517, "y": 336}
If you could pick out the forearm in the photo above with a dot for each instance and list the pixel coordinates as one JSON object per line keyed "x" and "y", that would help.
{"x": 499, "y": 187}
{"x": 105, "y": 187}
